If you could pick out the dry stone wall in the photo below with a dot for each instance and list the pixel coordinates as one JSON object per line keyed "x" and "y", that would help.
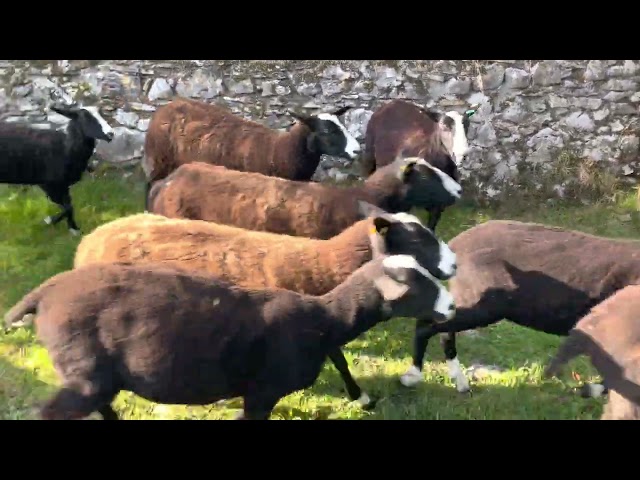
{"x": 531, "y": 110}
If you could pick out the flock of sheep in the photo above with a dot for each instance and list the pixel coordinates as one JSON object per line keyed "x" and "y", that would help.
{"x": 243, "y": 275}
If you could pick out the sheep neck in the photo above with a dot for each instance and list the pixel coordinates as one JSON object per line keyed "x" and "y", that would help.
{"x": 351, "y": 247}
{"x": 77, "y": 145}
{"x": 297, "y": 144}
{"x": 355, "y": 305}
{"x": 381, "y": 189}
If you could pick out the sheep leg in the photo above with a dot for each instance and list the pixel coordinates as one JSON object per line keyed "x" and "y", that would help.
{"x": 434, "y": 217}
{"x": 108, "y": 413}
{"x": 465, "y": 319}
{"x": 70, "y": 404}
{"x": 448, "y": 343}
{"x": 258, "y": 405}
{"x": 353, "y": 389}
{"x": 60, "y": 195}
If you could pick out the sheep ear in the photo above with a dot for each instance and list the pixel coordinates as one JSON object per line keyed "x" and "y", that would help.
{"x": 366, "y": 209}
{"x": 300, "y": 117}
{"x": 380, "y": 225}
{"x": 67, "y": 111}
{"x": 389, "y": 288}
{"x": 406, "y": 169}
{"x": 472, "y": 109}
{"x": 342, "y": 110}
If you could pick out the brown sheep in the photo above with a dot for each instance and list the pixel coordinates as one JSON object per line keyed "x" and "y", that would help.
{"x": 181, "y": 338}
{"x": 187, "y": 130}
{"x": 401, "y": 127}
{"x": 610, "y": 336}
{"x": 253, "y": 259}
{"x": 537, "y": 276}
{"x": 257, "y": 202}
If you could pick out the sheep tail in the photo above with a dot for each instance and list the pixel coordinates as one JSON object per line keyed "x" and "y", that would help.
{"x": 572, "y": 347}
{"x": 15, "y": 317}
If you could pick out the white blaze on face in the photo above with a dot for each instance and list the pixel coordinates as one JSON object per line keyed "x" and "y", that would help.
{"x": 353, "y": 147}
{"x": 447, "y": 263}
{"x": 106, "y": 128}
{"x": 449, "y": 184}
{"x": 444, "y": 304}
{"x": 460, "y": 144}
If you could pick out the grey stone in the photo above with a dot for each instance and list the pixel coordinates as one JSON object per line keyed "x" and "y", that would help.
{"x": 387, "y": 77}
{"x": 514, "y": 113}
{"x": 537, "y": 105}
{"x": 601, "y": 114}
{"x": 629, "y": 144}
{"x": 580, "y": 121}
{"x": 596, "y": 70}
{"x": 458, "y": 86}
{"x": 330, "y": 87}
{"x": 621, "y": 85}
{"x": 128, "y": 119}
{"x": 547, "y": 137}
{"x": 143, "y": 124}
{"x": 557, "y": 102}
{"x": 587, "y": 103}
{"x": 486, "y": 136}
{"x": 623, "y": 109}
{"x": 493, "y": 76}
{"x": 267, "y": 89}
{"x": 308, "y": 89}
{"x": 635, "y": 97}
{"x": 282, "y": 90}
{"x": 616, "y": 96}
{"x": 516, "y": 78}
{"x": 616, "y": 126}
{"x": 239, "y": 87}
{"x": 127, "y": 145}
{"x": 630, "y": 68}
{"x": 615, "y": 71}
{"x": 547, "y": 72}
{"x": 336, "y": 72}
{"x": 160, "y": 88}
{"x": 22, "y": 90}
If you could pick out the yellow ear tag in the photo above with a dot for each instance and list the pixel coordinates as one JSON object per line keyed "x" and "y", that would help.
{"x": 373, "y": 229}
{"x": 403, "y": 168}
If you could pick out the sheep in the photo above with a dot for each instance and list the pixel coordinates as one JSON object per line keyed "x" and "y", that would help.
{"x": 184, "y": 338}
{"x": 187, "y": 130}
{"x": 52, "y": 159}
{"x": 256, "y": 202}
{"x": 400, "y": 126}
{"x": 252, "y": 259}
{"x": 537, "y": 276}
{"x": 610, "y": 336}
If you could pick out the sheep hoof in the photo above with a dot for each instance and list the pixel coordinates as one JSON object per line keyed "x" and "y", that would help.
{"x": 412, "y": 377}
{"x": 48, "y": 220}
{"x": 366, "y": 402}
{"x": 74, "y": 232}
{"x": 592, "y": 390}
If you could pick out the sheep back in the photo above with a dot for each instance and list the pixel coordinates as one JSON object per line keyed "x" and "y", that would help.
{"x": 253, "y": 201}
{"x": 540, "y": 275}
{"x": 247, "y": 258}
{"x": 187, "y": 130}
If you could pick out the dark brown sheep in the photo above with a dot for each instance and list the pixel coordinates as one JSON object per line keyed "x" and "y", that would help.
{"x": 400, "y": 127}
{"x": 257, "y": 202}
{"x": 182, "y": 338}
{"x": 187, "y": 130}
{"x": 252, "y": 259}
{"x": 610, "y": 336}
{"x": 537, "y": 276}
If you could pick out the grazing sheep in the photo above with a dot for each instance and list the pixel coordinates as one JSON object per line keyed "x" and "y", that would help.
{"x": 252, "y": 259}
{"x": 610, "y": 336}
{"x": 537, "y": 276}
{"x": 257, "y": 202}
{"x": 402, "y": 127}
{"x": 179, "y": 338}
{"x": 186, "y": 130}
{"x": 52, "y": 159}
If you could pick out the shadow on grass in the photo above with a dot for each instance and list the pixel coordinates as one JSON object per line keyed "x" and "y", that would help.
{"x": 21, "y": 392}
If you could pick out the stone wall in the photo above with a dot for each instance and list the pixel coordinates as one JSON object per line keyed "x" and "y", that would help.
{"x": 530, "y": 110}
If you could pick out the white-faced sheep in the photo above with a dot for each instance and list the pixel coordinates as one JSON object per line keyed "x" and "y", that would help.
{"x": 51, "y": 159}
{"x": 610, "y": 336}
{"x": 541, "y": 277}
{"x": 400, "y": 127}
{"x": 253, "y": 259}
{"x": 181, "y": 338}
{"x": 187, "y": 130}
{"x": 257, "y": 202}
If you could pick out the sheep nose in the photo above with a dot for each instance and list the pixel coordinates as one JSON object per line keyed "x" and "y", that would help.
{"x": 110, "y": 135}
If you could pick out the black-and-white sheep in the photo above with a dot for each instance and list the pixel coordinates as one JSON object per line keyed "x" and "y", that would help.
{"x": 51, "y": 159}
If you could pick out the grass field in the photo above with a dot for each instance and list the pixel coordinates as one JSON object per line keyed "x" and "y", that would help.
{"x": 31, "y": 252}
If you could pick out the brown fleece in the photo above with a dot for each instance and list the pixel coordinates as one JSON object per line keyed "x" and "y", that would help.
{"x": 244, "y": 257}
{"x": 263, "y": 203}
{"x": 610, "y": 336}
{"x": 538, "y": 276}
{"x": 187, "y": 130}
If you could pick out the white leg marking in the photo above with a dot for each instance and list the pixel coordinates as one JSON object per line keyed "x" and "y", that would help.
{"x": 364, "y": 399}
{"x": 412, "y": 377}
{"x": 595, "y": 390}
{"x": 74, "y": 232}
{"x": 48, "y": 220}
{"x": 456, "y": 374}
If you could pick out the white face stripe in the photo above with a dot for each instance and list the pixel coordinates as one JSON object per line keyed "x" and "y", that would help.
{"x": 407, "y": 218}
{"x": 450, "y": 185}
{"x": 106, "y": 128}
{"x": 353, "y": 147}
{"x": 444, "y": 300}
{"x": 460, "y": 142}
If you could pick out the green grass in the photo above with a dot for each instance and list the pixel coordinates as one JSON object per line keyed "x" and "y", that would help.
{"x": 31, "y": 252}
